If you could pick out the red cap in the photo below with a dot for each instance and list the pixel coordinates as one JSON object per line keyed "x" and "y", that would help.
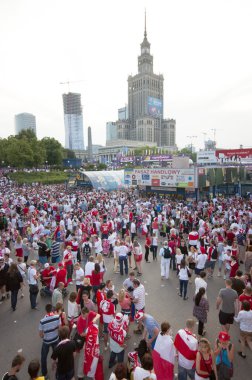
{"x": 223, "y": 336}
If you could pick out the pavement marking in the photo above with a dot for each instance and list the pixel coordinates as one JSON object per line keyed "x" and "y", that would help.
{"x": 162, "y": 286}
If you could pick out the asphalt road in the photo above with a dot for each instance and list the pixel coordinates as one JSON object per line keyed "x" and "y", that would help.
{"x": 19, "y": 329}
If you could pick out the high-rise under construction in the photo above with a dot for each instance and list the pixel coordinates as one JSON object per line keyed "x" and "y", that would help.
{"x": 73, "y": 120}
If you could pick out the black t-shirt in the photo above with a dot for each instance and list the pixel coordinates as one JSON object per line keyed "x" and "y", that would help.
{"x": 64, "y": 353}
{"x": 42, "y": 249}
{"x": 238, "y": 285}
{"x": 9, "y": 377}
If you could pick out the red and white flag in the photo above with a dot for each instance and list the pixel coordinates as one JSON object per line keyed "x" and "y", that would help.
{"x": 91, "y": 349}
{"x": 186, "y": 344}
{"x": 164, "y": 357}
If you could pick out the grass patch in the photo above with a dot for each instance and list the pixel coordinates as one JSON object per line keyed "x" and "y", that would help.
{"x": 53, "y": 177}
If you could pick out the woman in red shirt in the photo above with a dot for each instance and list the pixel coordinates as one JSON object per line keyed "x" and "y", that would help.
{"x": 96, "y": 279}
{"x": 147, "y": 247}
{"x": 205, "y": 361}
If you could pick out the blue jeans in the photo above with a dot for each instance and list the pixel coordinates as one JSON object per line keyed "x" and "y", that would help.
{"x": 123, "y": 259}
{"x": 183, "y": 287}
{"x": 183, "y": 373}
{"x": 44, "y": 353}
{"x": 113, "y": 355}
{"x": 33, "y": 299}
{"x": 14, "y": 294}
{"x": 65, "y": 376}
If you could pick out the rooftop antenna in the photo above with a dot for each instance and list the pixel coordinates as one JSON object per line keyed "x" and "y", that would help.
{"x": 145, "y": 31}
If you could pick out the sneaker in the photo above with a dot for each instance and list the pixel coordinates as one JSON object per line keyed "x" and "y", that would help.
{"x": 224, "y": 277}
{"x": 106, "y": 348}
{"x": 219, "y": 274}
{"x": 241, "y": 354}
{"x": 185, "y": 298}
{"x": 22, "y": 295}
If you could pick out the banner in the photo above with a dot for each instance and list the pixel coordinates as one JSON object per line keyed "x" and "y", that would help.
{"x": 160, "y": 177}
{"x": 206, "y": 157}
{"x": 155, "y": 106}
{"x": 238, "y": 156}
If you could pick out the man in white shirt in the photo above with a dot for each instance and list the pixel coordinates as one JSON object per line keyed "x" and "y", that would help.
{"x": 200, "y": 262}
{"x": 97, "y": 245}
{"x": 138, "y": 300}
{"x": 79, "y": 275}
{"x": 32, "y": 278}
{"x": 89, "y": 267}
{"x": 200, "y": 282}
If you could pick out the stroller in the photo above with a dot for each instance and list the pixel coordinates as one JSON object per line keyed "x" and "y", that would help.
{"x": 105, "y": 247}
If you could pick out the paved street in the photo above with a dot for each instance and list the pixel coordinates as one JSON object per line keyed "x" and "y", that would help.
{"x": 19, "y": 329}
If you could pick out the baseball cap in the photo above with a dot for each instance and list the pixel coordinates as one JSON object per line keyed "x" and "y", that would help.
{"x": 139, "y": 316}
{"x": 119, "y": 317}
{"x": 46, "y": 265}
{"x": 223, "y": 336}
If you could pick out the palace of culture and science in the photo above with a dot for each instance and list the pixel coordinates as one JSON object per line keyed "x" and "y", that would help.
{"x": 142, "y": 121}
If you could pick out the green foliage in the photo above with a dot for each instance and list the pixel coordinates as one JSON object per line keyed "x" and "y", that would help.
{"x": 54, "y": 150}
{"x": 25, "y": 150}
{"x": 68, "y": 153}
{"x": 40, "y": 177}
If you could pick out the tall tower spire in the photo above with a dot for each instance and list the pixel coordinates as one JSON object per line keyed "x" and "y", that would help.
{"x": 145, "y": 31}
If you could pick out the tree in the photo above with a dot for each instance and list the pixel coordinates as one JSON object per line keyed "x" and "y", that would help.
{"x": 19, "y": 154}
{"x": 68, "y": 153}
{"x": 54, "y": 150}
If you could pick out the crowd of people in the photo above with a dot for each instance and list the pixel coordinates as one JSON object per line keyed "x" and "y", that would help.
{"x": 60, "y": 243}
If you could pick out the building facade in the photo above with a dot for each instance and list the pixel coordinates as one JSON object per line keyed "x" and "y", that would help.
{"x": 111, "y": 131}
{"x": 143, "y": 118}
{"x": 73, "y": 121}
{"x": 25, "y": 121}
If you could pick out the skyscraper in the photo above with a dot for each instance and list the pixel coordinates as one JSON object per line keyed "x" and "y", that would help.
{"x": 25, "y": 121}
{"x": 144, "y": 88}
{"x": 144, "y": 120}
{"x": 73, "y": 121}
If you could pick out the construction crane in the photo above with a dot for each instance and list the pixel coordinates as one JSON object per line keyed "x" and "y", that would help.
{"x": 72, "y": 81}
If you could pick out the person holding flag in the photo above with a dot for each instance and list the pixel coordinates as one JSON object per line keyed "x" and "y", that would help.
{"x": 164, "y": 354}
{"x": 117, "y": 333}
{"x": 92, "y": 350}
{"x": 186, "y": 344}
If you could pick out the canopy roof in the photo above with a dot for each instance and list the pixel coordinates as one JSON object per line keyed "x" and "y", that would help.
{"x": 106, "y": 180}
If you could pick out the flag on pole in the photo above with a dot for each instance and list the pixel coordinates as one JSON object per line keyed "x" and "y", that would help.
{"x": 164, "y": 357}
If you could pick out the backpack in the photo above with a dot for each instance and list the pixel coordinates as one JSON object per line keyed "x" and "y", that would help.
{"x": 214, "y": 254}
{"x": 167, "y": 253}
{"x": 86, "y": 249}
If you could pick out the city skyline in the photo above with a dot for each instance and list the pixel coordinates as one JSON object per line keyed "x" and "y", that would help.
{"x": 201, "y": 48}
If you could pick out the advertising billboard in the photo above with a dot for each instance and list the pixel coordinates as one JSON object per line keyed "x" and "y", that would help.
{"x": 182, "y": 178}
{"x": 155, "y": 107}
{"x": 236, "y": 156}
{"x": 206, "y": 157}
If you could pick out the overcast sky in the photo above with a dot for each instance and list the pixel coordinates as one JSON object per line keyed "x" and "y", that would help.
{"x": 202, "y": 47}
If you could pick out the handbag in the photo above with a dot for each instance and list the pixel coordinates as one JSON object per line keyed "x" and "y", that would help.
{"x": 188, "y": 273}
{"x": 78, "y": 340}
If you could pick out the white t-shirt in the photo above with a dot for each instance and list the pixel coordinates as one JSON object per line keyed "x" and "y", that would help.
{"x": 199, "y": 283}
{"x": 201, "y": 261}
{"x": 79, "y": 275}
{"x": 141, "y": 374}
{"x": 72, "y": 310}
{"x": 31, "y": 273}
{"x": 89, "y": 267}
{"x": 139, "y": 294}
{"x": 245, "y": 319}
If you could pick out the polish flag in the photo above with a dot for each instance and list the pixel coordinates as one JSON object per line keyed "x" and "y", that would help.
{"x": 186, "y": 344}
{"x": 92, "y": 350}
{"x": 163, "y": 357}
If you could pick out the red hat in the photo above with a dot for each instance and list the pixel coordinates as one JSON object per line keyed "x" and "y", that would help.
{"x": 139, "y": 316}
{"x": 60, "y": 265}
{"x": 223, "y": 336}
